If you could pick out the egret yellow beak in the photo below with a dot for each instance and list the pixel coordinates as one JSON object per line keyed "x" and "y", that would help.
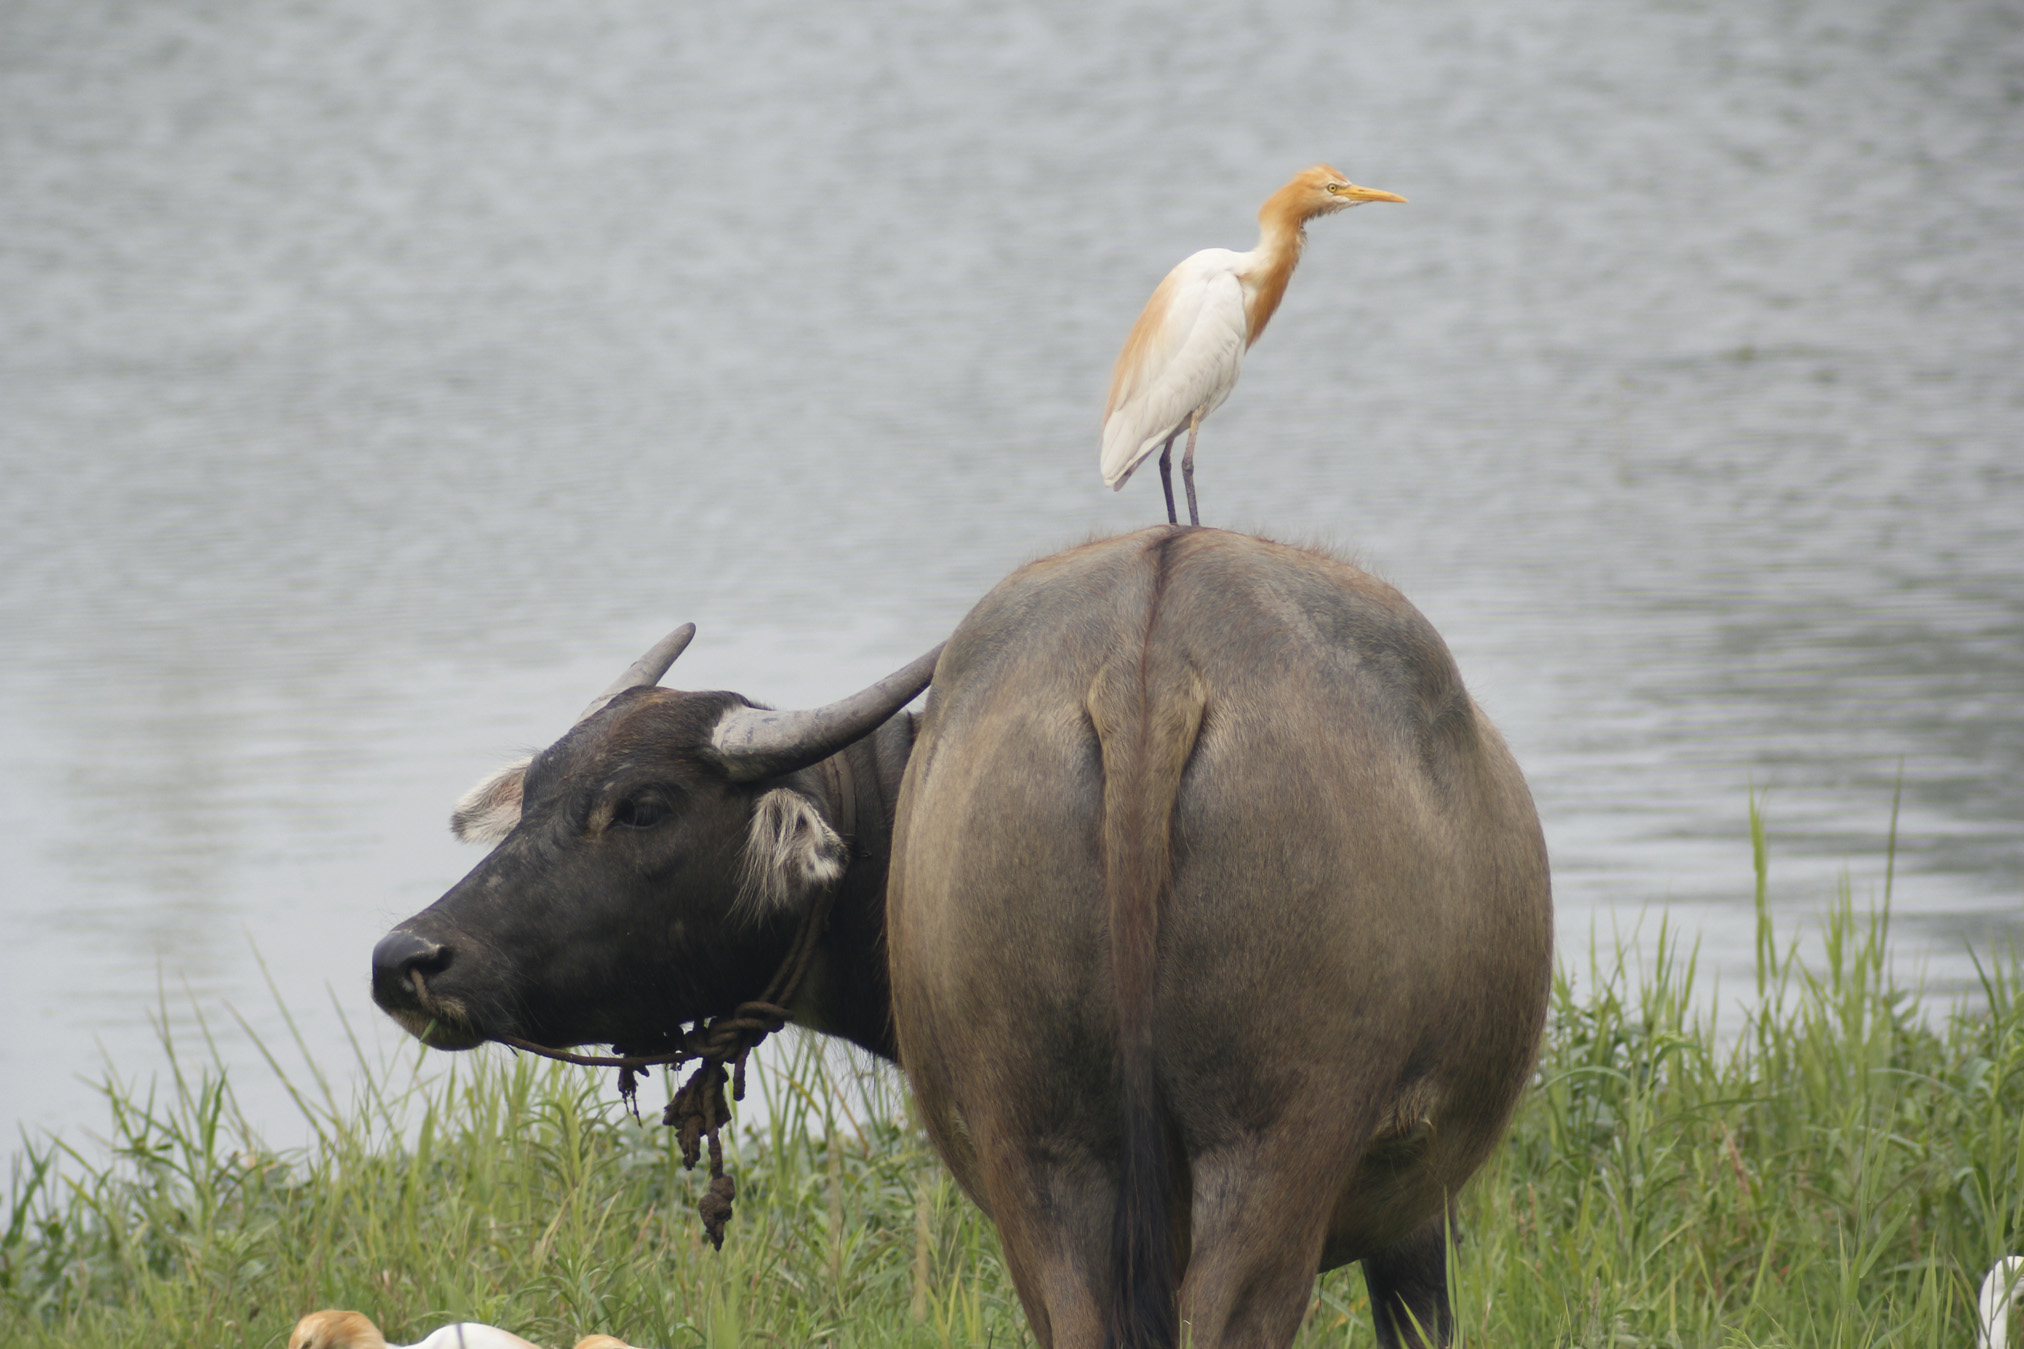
{"x": 1355, "y": 193}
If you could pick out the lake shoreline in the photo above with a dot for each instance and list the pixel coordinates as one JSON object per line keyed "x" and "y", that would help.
{"x": 1836, "y": 1170}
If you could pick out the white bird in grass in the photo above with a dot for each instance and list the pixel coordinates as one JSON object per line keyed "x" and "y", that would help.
{"x": 355, "y": 1330}
{"x": 1185, "y": 352}
{"x": 2002, "y": 1293}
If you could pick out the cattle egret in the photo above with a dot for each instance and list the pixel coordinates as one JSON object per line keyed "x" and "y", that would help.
{"x": 354, "y": 1330}
{"x": 1185, "y": 352}
{"x": 2002, "y": 1293}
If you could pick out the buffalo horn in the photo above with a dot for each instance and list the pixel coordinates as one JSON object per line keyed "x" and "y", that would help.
{"x": 751, "y": 743}
{"x": 648, "y": 669}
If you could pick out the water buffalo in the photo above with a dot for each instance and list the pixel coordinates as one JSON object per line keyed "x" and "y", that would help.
{"x": 1206, "y": 913}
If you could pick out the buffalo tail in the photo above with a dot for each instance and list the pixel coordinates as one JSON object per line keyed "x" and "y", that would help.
{"x": 1147, "y": 710}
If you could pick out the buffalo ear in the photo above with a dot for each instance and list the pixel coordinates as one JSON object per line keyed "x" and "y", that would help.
{"x": 790, "y": 852}
{"x": 488, "y": 812}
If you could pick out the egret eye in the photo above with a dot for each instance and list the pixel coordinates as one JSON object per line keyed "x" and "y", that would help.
{"x": 643, "y": 811}
{"x": 1335, "y": 189}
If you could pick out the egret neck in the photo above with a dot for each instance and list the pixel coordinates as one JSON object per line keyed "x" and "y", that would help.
{"x": 1265, "y": 270}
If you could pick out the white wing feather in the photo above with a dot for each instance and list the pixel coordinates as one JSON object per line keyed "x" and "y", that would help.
{"x": 472, "y": 1335}
{"x": 1189, "y": 364}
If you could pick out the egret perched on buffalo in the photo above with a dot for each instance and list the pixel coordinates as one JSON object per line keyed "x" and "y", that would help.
{"x": 1187, "y": 348}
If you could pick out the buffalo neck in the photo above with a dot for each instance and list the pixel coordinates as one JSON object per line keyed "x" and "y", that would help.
{"x": 846, "y": 991}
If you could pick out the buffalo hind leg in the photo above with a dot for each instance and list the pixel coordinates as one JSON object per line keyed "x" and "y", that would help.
{"x": 1053, "y": 1218}
{"x": 1257, "y": 1237}
{"x": 1409, "y": 1289}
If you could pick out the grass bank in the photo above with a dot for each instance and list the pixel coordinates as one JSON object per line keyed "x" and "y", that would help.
{"x": 1835, "y": 1170}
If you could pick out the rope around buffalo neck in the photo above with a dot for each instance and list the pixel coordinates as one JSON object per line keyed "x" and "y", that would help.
{"x": 698, "y": 1111}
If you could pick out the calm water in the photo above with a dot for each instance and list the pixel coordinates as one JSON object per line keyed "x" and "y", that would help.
{"x": 376, "y": 381}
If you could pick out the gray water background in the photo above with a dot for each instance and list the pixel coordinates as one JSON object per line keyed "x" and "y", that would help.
{"x": 376, "y": 380}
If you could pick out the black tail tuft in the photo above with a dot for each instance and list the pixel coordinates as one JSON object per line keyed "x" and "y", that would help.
{"x": 1144, "y": 1307}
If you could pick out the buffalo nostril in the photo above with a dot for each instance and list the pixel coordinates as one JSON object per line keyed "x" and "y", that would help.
{"x": 399, "y": 957}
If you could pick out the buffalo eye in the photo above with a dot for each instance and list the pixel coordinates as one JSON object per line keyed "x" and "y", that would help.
{"x": 641, "y": 811}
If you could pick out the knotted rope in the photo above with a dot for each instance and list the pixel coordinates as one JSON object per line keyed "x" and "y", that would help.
{"x": 699, "y": 1111}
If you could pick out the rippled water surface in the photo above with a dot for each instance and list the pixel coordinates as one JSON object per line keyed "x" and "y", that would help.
{"x": 375, "y": 381}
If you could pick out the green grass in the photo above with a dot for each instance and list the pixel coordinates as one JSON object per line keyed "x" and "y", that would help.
{"x": 1836, "y": 1169}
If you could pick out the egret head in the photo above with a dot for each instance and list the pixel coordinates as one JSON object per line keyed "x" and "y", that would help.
{"x": 336, "y": 1330}
{"x": 1322, "y": 190}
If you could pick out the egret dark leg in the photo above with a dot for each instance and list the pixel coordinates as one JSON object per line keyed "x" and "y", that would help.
{"x": 1188, "y": 470}
{"x": 1167, "y": 475}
